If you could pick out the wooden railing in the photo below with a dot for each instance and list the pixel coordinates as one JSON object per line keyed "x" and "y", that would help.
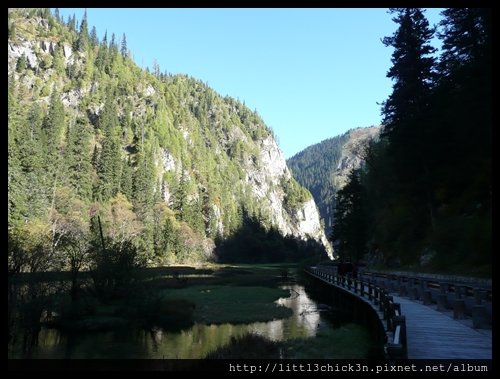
{"x": 470, "y": 299}
{"x": 389, "y": 313}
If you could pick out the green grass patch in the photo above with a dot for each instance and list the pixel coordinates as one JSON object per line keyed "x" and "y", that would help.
{"x": 231, "y": 304}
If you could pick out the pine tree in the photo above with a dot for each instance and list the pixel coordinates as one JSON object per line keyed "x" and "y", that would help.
{"x": 83, "y": 36}
{"x": 102, "y": 55}
{"x": 58, "y": 62}
{"x": 72, "y": 23}
{"x": 33, "y": 162}
{"x": 113, "y": 46}
{"x": 78, "y": 159}
{"x": 109, "y": 167}
{"x": 412, "y": 69}
{"x": 462, "y": 105}
{"x": 407, "y": 122}
{"x": 126, "y": 179}
{"x": 94, "y": 40}
{"x": 180, "y": 197}
{"x": 124, "y": 50}
{"x": 53, "y": 127}
{"x": 144, "y": 178}
{"x": 16, "y": 181}
{"x": 465, "y": 36}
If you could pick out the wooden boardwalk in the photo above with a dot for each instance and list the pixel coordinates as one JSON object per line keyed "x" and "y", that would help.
{"x": 430, "y": 334}
{"x": 433, "y": 335}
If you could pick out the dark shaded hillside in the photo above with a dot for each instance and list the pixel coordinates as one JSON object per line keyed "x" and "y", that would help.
{"x": 423, "y": 199}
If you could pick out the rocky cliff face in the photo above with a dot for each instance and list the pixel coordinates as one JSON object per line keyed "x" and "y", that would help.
{"x": 265, "y": 181}
{"x": 352, "y": 153}
{"x": 222, "y": 151}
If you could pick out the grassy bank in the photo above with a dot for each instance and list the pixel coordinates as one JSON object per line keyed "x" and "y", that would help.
{"x": 175, "y": 297}
{"x": 347, "y": 342}
{"x": 233, "y": 304}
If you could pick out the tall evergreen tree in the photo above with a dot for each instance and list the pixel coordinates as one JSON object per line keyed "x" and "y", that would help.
{"x": 78, "y": 159}
{"x": 465, "y": 35}
{"x": 102, "y": 55}
{"x": 462, "y": 104}
{"x": 53, "y": 127}
{"x": 113, "y": 46}
{"x": 33, "y": 161}
{"x": 407, "y": 124}
{"x": 16, "y": 181}
{"x": 181, "y": 198}
{"x": 412, "y": 70}
{"x": 109, "y": 167}
{"x": 72, "y": 22}
{"x": 83, "y": 36}
{"x": 126, "y": 179}
{"x": 144, "y": 178}
{"x": 124, "y": 50}
{"x": 94, "y": 40}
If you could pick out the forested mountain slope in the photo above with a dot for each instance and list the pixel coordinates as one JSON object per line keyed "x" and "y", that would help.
{"x": 161, "y": 160}
{"x": 323, "y": 168}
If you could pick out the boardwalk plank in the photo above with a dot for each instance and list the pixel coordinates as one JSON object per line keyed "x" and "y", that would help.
{"x": 433, "y": 335}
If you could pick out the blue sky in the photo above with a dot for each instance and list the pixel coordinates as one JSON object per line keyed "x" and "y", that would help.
{"x": 311, "y": 74}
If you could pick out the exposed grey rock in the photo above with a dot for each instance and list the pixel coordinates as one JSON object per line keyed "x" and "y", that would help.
{"x": 26, "y": 49}
{"x": 168, "y": 160}
{"x": 353, "y": 153}
{"x": 264, "y": 178}
{"x": 67, "y": 52}
{"x": 149, "y": 91}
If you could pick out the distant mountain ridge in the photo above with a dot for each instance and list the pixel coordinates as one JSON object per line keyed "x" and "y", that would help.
{"x": 323, "y": 168}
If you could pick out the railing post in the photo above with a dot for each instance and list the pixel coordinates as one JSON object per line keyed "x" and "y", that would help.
{"x": 387, "y": 306}
{"x": 395, "y": 310}
{"x": 479, "y": 295}
{"x": 383, "y": 296}
{"x": 422, "y": 288}
{"x": 459, "y": 309}
{"x": 442, "y": 297}
{"x": 399, "y": 350}
{"x": 427, "y": 297}
{"x": 479, "y": 316}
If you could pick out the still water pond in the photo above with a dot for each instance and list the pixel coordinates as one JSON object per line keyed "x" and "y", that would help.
{"x": 195, "y": 342}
